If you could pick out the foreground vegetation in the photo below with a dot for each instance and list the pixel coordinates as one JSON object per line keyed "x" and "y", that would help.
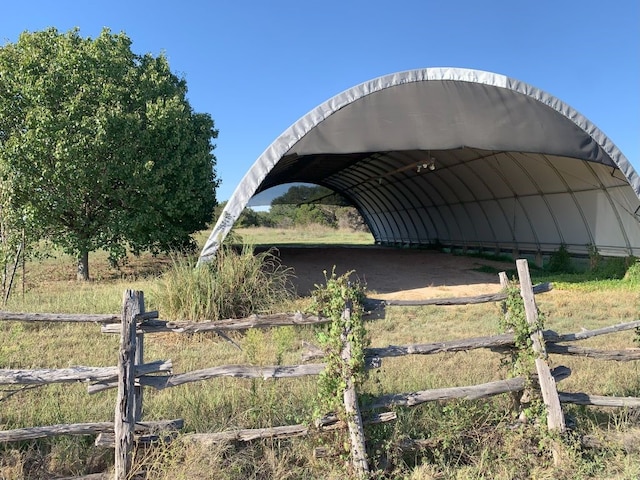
{"x": 464, "y": 440}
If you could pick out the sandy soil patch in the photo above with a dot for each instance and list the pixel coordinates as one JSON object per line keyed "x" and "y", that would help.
{"x": 395, "y": 273}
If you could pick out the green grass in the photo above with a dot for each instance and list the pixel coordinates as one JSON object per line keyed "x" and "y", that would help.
{"x": 312, "y": 235}
{"x": 467, "y": 439}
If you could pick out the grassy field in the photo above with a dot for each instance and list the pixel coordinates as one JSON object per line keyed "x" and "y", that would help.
{"x": 313, "y": 234}
{"x": 467, "y": 439}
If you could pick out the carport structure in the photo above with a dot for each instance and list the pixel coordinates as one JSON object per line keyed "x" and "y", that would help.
{"x": 460, "y": 158}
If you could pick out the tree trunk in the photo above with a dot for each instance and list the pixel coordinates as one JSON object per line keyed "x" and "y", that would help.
{"x": 83, "y": 266}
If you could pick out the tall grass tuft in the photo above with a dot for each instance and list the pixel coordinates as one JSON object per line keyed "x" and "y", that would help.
{"x": 233, "y": 285}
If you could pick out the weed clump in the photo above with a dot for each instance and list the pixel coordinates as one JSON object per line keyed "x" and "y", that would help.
{"x": 232, "y": 285}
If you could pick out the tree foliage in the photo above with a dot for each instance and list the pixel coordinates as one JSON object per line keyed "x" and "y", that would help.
{"x": 99, "y": 147}
{"x": 303, "y": 205}
{"x": 248, "y": 218}
{"x": 310, "y": 195}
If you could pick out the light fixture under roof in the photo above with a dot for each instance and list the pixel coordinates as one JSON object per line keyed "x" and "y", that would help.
{"x": 428, "y": 165}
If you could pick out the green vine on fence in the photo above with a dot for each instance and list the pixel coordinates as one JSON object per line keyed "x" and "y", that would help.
{"x": 521, "y": 359}
{"x": 329, "y": 300}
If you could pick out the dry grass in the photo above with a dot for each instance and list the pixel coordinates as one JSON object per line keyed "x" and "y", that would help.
{"x": 468, "y": 440}
{"x": 312, "y": 234}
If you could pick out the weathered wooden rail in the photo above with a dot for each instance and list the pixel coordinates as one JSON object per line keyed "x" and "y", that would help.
{"x": 132, "y": 374}
{"x": 32, "y": 433}
{"x": 103, "y": 377}
{"x": 45, "y": 376}
{"x": 70, "y": 317}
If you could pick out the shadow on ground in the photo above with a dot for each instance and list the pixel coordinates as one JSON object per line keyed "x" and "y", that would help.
{"x": 393, "y": 271}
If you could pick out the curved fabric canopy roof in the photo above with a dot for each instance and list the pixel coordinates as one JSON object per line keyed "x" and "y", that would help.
{"x": 459, "y": 157}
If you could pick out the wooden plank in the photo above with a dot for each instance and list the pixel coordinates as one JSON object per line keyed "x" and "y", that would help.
{"x": 626, "y": 355}
{"x": 332, "y": 422}
{"x": 145, "y": 432}
{"x": 468, "y": 392}
{"x": 504, "y": 284}
{"x": 238, "y": 371}
{"x": 108, "y": 440}
{"x": 472, "y": 392}
{"x": 440, "y": 347}
{"x": 106, "y": 318}
{"x": 253, "y": 321}
{"x": 32, "y": 433}
{"x": 246, "y": 435}
{"x": 125, "y": 403}
{"x": 502, "y": 340}
{"x": 486, "y": 298}
{"x": 584, "y": 334}
{"x": 555, "y": 418}
{"x": 59, "y": 317}
{"x": 599, "y": 400}
{"x": 230, "y": 324}
{"x": 46, "y": 376}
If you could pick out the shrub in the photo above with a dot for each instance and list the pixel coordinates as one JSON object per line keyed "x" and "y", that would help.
{"x": 233, "y": 285}
{"x": 350, "y": 218}
{"x": 608, "y": 267}
{"x": 611, "y": 268}
{"x": 632, "y": 274}
{"x": 560, "y": 261}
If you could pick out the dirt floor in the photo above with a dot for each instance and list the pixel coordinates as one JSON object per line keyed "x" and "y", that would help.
{"x": 392, "y": 273}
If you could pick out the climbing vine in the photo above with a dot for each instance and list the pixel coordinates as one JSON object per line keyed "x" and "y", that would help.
{"x": 521, "y": 360}
{"x": 330, "y": 300}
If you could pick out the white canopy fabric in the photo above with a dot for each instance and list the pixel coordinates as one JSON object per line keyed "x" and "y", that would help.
{"x": 462, "y": 158}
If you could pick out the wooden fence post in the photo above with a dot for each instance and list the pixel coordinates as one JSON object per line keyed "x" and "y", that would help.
{"x": 555, "y": 418}
{"x": 352, "y": 410}
{"x": 504, "y": 280}
{"x": 139, "y": 360}
{"x": 125, "y": 404}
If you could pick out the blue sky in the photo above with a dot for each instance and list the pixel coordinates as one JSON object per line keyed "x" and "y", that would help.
{"x": 258, "y": 66}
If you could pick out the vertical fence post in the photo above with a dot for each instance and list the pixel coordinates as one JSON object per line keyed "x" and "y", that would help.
{"x": 555, "y": 418}
{"x": 139, "y": 360}
{"x": 504, "y": 284}
{"x": 352, "y": 410}
{"x": 504, "y": 280}
{"x": 125, "y": 409}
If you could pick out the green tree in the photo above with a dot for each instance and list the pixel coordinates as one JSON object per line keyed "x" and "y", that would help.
{"x": 304, "y": 205}
{"x": 100, "y": 147}
{"x": 310, "y": 194}
{"x": 319, "y": 214}
{"x": 248, "y": 218}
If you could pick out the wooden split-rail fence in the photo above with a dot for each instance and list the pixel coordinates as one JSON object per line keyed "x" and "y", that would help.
{"x": 133, "y": 374}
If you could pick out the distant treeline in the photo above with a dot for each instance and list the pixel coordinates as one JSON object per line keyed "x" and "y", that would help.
{"x": 303, "y": 205}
